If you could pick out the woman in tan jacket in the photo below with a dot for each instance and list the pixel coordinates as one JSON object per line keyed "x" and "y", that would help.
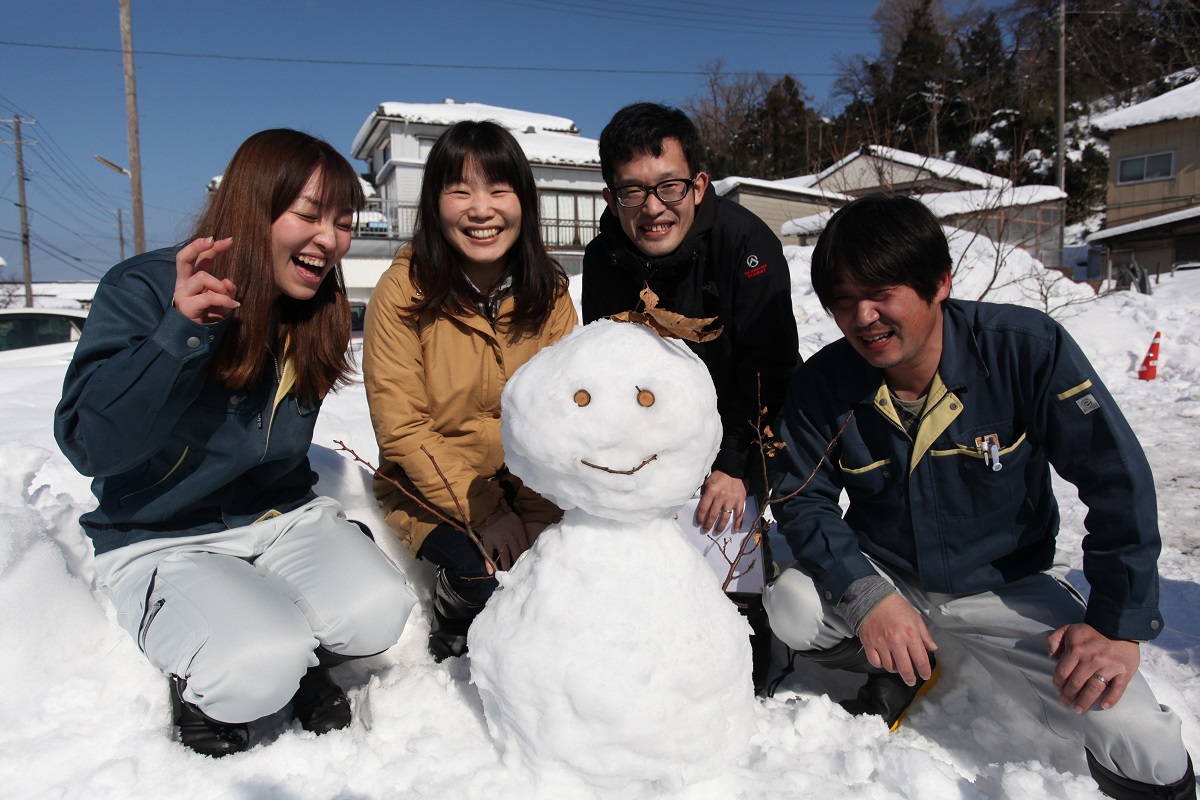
{"x": 473, "y": 298}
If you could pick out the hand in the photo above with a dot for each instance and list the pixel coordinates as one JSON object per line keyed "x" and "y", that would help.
{"x": 198, "y": 295}
{"x": 533, "y": 530}
{"x": 505, "y": 539}
{"x": 1083, "y": 653}
{"x": 895, "y": 638}
{"x": 722, "y": 500}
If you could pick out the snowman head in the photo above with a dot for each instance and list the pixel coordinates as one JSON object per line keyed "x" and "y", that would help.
{"x": 613, "y": 420}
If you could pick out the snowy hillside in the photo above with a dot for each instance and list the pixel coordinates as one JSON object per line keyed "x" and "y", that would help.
{"x": 84, "y": 715}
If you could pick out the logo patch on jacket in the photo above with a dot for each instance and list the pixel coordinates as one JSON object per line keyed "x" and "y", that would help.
{"x": 754, "y": 269}
{"x": 1087, "y": 404}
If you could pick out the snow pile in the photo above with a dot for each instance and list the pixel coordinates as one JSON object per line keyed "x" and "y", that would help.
{"x": 610, "y": 657}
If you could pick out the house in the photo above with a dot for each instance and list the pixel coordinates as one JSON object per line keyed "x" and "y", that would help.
{"x": 396, "y": 138}
{"x": 776, "y": 202}
{"x": 1153, "y": 219}
{"x": 873, "y": 168}
{"x": 1028, "y": 217}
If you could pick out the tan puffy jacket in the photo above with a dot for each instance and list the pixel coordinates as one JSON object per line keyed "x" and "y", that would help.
{"x": 434, "y": 380}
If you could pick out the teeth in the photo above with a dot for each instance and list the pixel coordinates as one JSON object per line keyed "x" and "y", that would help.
{"x": 659, "y": 228}
{"x": 309, "y": 261}
{"x": 486, "y": 233}
{"x": 879, "y": 338}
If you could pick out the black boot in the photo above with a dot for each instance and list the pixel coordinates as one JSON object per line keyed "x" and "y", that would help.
{"x": 885, "y": 694}
{"x": 452, "y": 616}
{"x": 320, "y": 704}
{"x": 202, "y": 733}
{"x": 1123, "y": 788}
{"x": 750, "y": 606}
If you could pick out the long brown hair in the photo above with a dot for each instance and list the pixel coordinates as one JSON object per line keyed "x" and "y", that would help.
{"x": 264, "y": 178}
{"x": 538, "y": 279}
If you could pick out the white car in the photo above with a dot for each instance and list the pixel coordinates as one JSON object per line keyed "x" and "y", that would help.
{"x": 32, "y": 337}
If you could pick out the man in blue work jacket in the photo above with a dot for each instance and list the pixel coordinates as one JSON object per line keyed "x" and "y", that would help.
{"x": 950, "y": 415}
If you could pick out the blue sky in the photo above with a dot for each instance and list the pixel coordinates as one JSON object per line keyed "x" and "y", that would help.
{"x": 211, "y": 73}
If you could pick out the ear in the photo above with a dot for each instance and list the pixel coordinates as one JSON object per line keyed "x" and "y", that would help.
{"x": 943, "y": 291}
{"x": 612, "y": 204}
{"x": 699, "y": 186}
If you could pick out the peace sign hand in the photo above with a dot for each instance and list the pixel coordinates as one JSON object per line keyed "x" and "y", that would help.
{"x": 199, "y": 295}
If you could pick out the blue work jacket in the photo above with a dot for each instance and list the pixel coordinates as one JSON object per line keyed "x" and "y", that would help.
{"x": 173, "y": 452}
{"x": 936, "y": 508}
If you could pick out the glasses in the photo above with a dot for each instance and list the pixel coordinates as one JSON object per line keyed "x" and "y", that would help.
{"x": 668, "y": 191}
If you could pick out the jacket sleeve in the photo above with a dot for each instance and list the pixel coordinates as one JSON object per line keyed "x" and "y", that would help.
{"x": 765, "y": 345}
{"x": 596, "y": 259}
{"x": 394, "y": 375}
{"x": 531, "y": 506}
{"x": 138, "y": 366}
{"x": 807, "y": 508}
{"x": 1090, "y": 443}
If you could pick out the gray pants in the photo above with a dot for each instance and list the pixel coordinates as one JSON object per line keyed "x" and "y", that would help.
{"x": 1005, "y": 630}
{"x": 239, "y": 613}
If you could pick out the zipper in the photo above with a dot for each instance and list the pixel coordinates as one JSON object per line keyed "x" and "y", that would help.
{"x": 151, "y": 613}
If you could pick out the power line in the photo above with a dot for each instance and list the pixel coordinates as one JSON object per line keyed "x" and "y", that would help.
{"x": 398, "y": 64}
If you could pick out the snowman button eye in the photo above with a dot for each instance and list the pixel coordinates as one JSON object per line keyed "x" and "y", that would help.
{"x": 582, "y": 398}
{"x": 645, "y": 397}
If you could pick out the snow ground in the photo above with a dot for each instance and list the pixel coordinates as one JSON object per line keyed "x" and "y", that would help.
{"x": 86, "y": 716}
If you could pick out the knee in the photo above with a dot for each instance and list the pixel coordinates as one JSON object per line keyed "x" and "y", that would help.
{"x": 250, "y": 678}
{"x": 372, "y": 617}
{"x": 794, "y": 608}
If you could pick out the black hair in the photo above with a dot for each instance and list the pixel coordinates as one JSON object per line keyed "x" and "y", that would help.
{"x": 538, "y": 279}
{"x": 881, "y": 240}
{"x": 640, "y": 129}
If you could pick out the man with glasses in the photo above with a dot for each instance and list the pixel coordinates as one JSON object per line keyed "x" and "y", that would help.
{"x": 703, "y": 256}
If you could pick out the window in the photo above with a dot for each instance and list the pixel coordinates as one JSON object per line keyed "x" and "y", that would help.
{"x": 1156, "y": 167}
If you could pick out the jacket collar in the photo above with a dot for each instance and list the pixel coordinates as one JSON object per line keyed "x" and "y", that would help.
{"x": 962, "y": 362}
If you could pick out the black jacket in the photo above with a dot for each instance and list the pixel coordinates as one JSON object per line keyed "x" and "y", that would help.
{"x": 729, "y": 266}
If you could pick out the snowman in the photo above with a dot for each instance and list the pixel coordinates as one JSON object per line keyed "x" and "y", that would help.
{"x": 609, "y": 655}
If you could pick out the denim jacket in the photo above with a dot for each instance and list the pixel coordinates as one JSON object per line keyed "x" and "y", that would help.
{"x": 933, "y": 507}
{"x": 173, "y": 452}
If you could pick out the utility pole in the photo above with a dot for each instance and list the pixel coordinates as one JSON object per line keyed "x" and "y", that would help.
{"x": 121, "y": 233}
{"x": 1062, "y": 119}
{"x": 1062, "y": 95}
{"x": 131, "y": 124}
{"x": 16, "y": 123}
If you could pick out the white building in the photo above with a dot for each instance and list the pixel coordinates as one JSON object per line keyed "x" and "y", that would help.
{"x": 396, "y": 138}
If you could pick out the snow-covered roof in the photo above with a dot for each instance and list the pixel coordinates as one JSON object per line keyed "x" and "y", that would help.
{"x": 937, "y": 166}
{"x": 1145, "y": 224}
{"x": 550, "y": 147}
{"x": 946, "y": 204}
{"x": 789, "y": 185}
{"x": 1181, "y": 103}
{"x": 970, "y": 201}
{"x": 449, "y": 112}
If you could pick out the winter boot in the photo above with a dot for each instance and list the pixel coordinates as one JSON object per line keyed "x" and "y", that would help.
{"x": 319, "y": 704}
{"x": 202, "y": 733}
{"x": 452, "y": 616}
{"x": 885, "y": 694}
{"x": 750, "y": 606}
{"x": 1123, "y": 788}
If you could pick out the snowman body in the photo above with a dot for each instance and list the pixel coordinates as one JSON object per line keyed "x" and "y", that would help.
{"x": 610, "y": 652}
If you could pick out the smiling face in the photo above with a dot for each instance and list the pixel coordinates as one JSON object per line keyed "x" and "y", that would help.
{"x": 613, "y": 420}
{"x": 480, "y": 219}
{"x": 894, "y": 330}
{"x": 655, "y": 227}
{"x": 307, "y": 242}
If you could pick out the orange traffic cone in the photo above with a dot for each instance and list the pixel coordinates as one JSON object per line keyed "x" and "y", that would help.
{"x": 1148, "y": 371}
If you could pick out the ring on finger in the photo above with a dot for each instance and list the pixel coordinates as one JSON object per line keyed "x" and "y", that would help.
{"x": 1099, "y": 677}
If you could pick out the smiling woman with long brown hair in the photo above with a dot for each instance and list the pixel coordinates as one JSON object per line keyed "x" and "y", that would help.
{"x": 192, "y": 399}
{"x": 474, "y": 298}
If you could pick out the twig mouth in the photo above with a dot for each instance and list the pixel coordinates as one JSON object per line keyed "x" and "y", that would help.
{"x": 587, "y": 463}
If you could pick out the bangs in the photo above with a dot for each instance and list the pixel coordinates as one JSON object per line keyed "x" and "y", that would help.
{"x": 339, "y": 188}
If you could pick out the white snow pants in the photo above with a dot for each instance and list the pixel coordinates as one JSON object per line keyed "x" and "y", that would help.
{"x": 1005, "y": 631}
{"x": 239, "y": 613}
